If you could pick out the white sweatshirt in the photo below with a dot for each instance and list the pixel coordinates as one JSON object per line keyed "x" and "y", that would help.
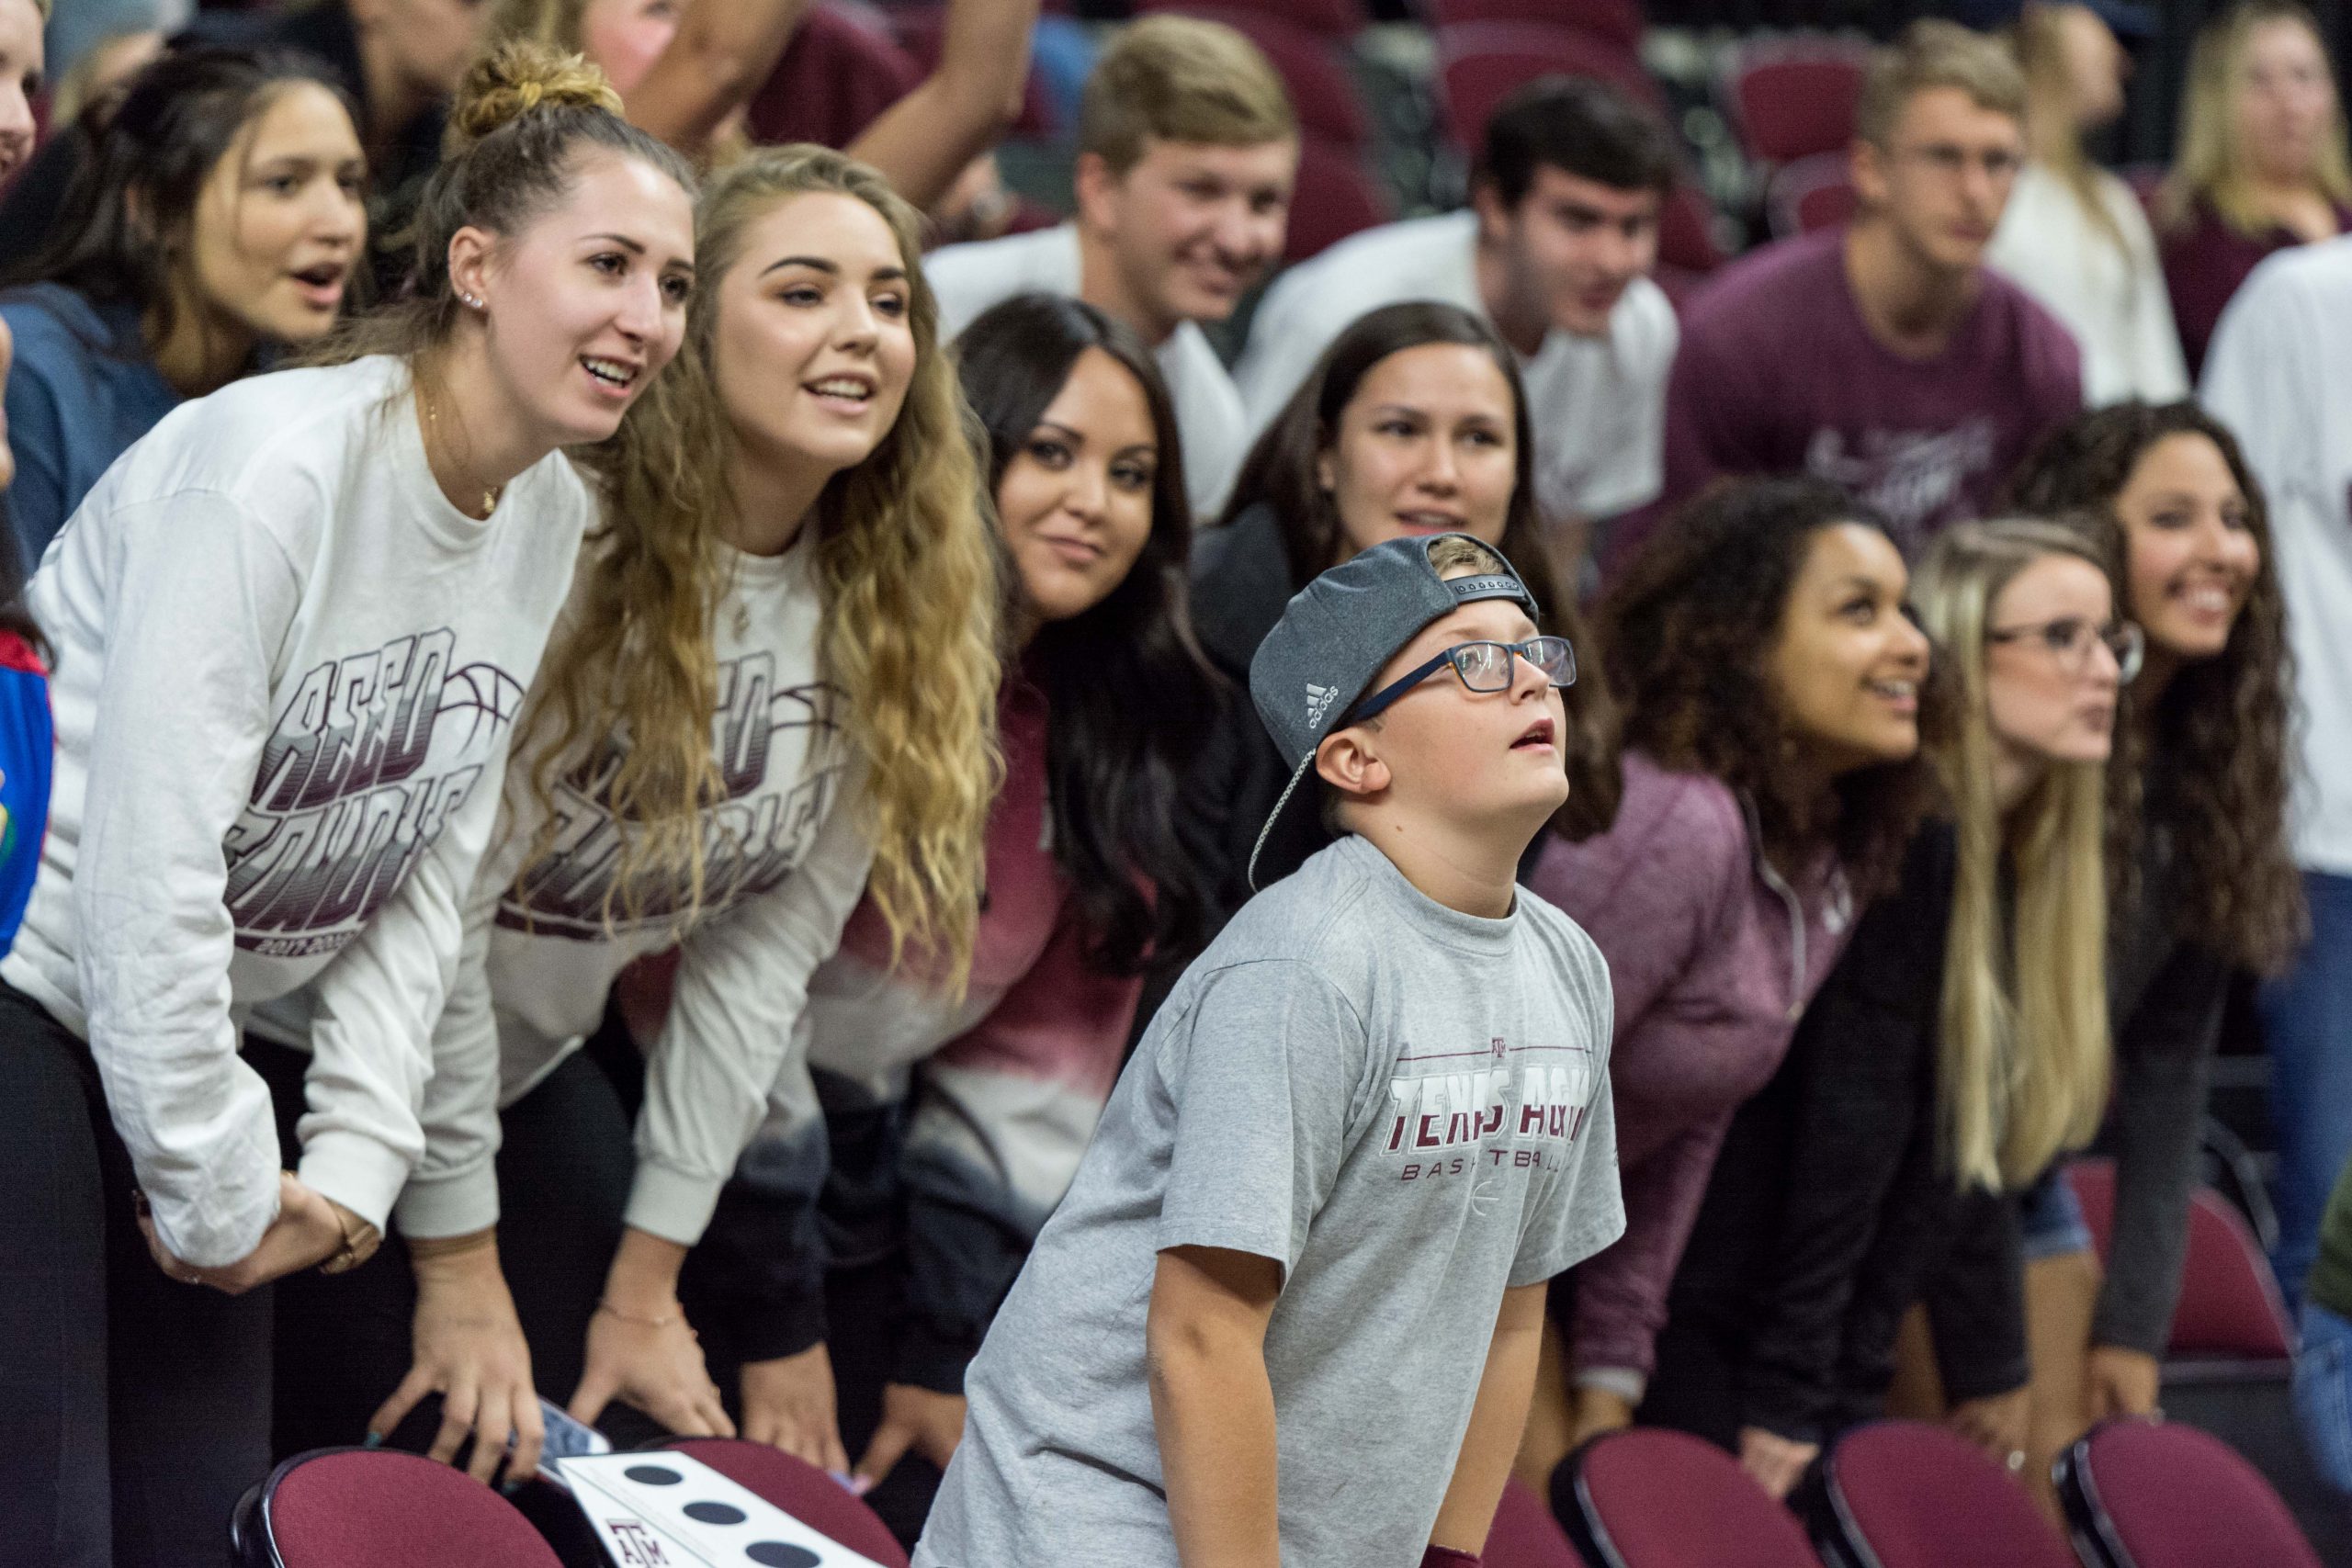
{"x": 2280, "y": 374}
{"x": 784, "y": 861}
{"x": 2112, "y": 298}
{"x": 288, "y": 670}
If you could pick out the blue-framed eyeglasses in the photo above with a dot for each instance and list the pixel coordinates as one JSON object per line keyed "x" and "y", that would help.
{"x": 1482, "y": 666}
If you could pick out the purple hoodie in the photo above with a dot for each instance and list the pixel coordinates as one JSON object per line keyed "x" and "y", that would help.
{"x": 1712, "y": 965}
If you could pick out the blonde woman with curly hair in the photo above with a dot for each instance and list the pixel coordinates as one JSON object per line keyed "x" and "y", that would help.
{"x": 774, "y": 693}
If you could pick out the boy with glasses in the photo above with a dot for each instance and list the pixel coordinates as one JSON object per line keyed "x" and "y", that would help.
{"x": 1369, "y": 1123}
{"x": 1884, "y": 356}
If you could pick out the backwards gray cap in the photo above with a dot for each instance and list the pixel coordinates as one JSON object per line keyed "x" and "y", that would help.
{"x": 1333, "y": 638}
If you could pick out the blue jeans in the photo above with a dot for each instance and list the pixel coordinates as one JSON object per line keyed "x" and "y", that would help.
{"x": 2051, "y": 1217}
{"x": 2323, "y": 1394}
{"x": 2307, "y": 1020}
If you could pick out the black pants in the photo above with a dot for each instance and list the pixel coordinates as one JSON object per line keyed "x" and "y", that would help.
{"x": 134, "y": 1411}
{"x": 564, "y": 1169}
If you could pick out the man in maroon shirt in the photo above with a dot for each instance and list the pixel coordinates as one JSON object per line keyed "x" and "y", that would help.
{"x": 1884, "y": 356}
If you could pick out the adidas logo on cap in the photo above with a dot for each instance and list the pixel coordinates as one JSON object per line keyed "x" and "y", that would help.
{"x": 1319, "y": 702}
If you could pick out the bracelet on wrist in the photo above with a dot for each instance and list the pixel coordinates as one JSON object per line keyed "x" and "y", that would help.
{"x": 662, "y": 1320}
{"x": 360, "y": 1239}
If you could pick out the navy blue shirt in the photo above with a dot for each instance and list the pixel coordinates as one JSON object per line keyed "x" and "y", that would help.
{"x": 82, "y": 389}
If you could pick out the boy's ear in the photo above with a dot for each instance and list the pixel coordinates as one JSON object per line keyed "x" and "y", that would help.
{"x": 1349, "y": 761}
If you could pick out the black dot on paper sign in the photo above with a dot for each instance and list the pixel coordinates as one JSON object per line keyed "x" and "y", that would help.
{"x": 715, "y": 1513}
{"x": 651, "y": 1475}
{"x": 776, "y": 1554}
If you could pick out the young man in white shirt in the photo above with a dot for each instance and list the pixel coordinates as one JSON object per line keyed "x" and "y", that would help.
{"x": 1187, "y": 150}
{"x": 2279, "y": 374}
{"x": 1553, "y": 250}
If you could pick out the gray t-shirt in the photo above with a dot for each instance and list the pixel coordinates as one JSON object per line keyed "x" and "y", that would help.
{"x": 1404, "y": 1106}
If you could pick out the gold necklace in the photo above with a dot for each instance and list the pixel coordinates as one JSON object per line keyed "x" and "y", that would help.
{"x": 432, "y": 422}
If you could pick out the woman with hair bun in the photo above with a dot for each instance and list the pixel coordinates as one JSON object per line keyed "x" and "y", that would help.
{"x": 293, "y": 625}
{"x": 772, "y": 692}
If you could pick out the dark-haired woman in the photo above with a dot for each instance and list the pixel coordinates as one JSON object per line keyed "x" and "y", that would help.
{"x": 1413, "y": 422}
{"x": 2202, "y": 880}
{"x": 1959, "y": 1046}
{"x": 955, "y": 1121}
{"x": 292, "y": 626}
{"x": 219, "y": 216}
{"x": 1770, "y": 681}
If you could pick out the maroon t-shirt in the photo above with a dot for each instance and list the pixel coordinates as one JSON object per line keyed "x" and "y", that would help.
{"x": 1778, "y": 374}
{"x": 2204, "y": 264}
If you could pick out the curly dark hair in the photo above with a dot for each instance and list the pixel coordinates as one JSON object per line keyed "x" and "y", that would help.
{"x": 1686, "y": 634}
{"x": 2219, "y": 726}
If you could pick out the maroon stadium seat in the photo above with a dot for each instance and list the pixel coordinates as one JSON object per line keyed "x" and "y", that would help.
{"x": 1526, "y": 1535}
{"x": 1618, "y": 21}
{"x": 801, "y": 1490}
{"x": 1686, "y": 239}
{"x": 1792, "y": 99}
{"x": 2230, "y": 1306}
{"x": 1336, "y": 198}
{"x": 1816, "y": 192}
{"x": 1652, "y": 1498}
{"x": 1482, "y": 64}
{"x": 1327, "y": 20}
{"x": 376, "y": 1508}
{"x": 2143, "y": 1494}
{"x": 1320, "y": 87}
{"x": 836, "y": 77}
{"x": 1906, "y": 1494}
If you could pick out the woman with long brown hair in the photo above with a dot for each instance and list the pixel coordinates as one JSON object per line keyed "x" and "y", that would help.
{"x": 1959, "y": 1048}
{"x": 774, "y": 690}
{"x": 1414, "y": 420}
{"x": 1772, "y": 685}
{"x": 2202, "y": 880}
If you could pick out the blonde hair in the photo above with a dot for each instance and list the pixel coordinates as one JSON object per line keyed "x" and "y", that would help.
{"x": 1934, "y": 53}
{"x": 2210, "y": 165}
{"x": 555, "y": 24}
{"x": 2023, "y": 1060}
{"x": 2039, "y": 39}
{"x": 1181, "y": 79}
{"x": 905, "y": 558}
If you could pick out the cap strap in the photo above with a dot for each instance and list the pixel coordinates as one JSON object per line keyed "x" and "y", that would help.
{"x": 1275, "y": 816}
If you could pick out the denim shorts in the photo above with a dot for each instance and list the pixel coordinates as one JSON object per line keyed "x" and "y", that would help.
{"x": 2323, "y": 1394}
{"x": 2052, "y": 1219}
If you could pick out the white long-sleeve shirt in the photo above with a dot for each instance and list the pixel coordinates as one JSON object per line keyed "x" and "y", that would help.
{"x": 2113, "y": 300}
{"x": 786, "y": 858}
{"x": 2280, "y": 374}
{"x": 287, "y": 675}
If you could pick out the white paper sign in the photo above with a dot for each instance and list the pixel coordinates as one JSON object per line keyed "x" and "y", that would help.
{"x": 665, "y": 1510}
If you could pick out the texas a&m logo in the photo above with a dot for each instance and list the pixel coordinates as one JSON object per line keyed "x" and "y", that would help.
{"x": 1524, "y": 1100}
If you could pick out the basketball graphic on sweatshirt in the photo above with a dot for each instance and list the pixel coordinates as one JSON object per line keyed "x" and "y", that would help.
{"x": 371, "y": 755}
{"x": 777, "y": 753}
